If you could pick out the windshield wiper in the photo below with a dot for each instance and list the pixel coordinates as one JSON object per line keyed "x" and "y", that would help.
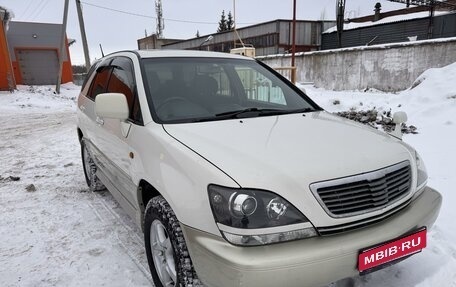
{"x": 259, "y": 112}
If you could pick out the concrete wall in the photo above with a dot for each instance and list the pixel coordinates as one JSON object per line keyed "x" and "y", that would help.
{"x": 390, "y": 68}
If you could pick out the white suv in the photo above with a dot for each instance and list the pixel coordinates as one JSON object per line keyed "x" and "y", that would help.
{"x": 239, "y": 179}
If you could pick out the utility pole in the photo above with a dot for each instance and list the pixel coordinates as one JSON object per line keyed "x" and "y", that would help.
{"x": 293, "y": 46}
{"x": 62, "y": 46}
{"x": 340, "y": 12}
{"x": 83, "y": 35}
{"x": 234, "y": 24}
{"x": 431, "y": 19}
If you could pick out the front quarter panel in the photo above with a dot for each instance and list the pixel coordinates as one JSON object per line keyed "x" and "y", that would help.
{"x": 179, "y": 174}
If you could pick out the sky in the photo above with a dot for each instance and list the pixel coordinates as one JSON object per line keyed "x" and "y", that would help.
{"x": 183, "y": 18}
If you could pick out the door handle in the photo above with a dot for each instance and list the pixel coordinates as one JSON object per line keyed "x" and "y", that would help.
{"x": 99, "y": 121}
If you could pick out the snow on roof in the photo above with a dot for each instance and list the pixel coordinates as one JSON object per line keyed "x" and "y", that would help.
{"x": 9, "y": 14}
{"x": 359, "y": 48}
{"x": 392, "y": 19}
{"x": 6, "y": 15}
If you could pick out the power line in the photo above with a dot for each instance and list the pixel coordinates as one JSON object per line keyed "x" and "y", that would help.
{"x": 33, "y": 11}
{"x": 27, "y": 9}
{"x": 41, "y": 10}
{"x": 151, "y": 17}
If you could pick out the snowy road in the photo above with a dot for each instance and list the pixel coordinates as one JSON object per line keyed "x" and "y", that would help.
{"x": 62, "y": 235}
{"x": 59, "y": 234}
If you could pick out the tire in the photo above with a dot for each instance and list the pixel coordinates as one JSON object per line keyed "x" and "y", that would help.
{"x": 90, "y": 170}
{"x": 166, "y": 247}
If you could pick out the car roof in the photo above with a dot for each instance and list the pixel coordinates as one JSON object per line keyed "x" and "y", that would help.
{"x": 187, "y": 53}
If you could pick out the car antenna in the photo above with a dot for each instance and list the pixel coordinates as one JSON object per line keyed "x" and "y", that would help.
{"x": 101, "y": 48}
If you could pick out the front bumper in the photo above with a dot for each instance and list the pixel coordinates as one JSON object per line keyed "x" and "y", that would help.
{"x": 308, "y": 262}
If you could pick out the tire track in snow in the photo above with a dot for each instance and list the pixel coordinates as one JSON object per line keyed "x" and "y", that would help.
{"x": 127, "y": 237}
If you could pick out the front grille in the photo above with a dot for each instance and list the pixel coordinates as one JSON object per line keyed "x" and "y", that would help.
{"x": 364, "y": 193}
{"x": 336, "y": 229}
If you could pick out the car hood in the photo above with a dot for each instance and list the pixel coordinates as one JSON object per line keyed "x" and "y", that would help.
{"x": 287, "y": 153}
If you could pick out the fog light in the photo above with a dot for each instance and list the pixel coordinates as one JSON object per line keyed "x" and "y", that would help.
{"x": 276, "y": 208}
{"x": 243, "y": 205}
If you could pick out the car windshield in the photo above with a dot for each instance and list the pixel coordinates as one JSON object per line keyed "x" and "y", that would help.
{"x": 182, "y": 90}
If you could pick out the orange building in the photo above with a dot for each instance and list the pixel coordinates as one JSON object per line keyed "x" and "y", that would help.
{"x": 30, "y": 54}
{"x": 6, "y": 71}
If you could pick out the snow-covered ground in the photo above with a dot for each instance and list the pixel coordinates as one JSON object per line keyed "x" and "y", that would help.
{"x": 56, "y": 233}
{"x": 60, "y": 234}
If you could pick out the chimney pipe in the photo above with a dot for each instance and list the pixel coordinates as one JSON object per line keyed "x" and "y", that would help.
{"x": 378, "y": 8}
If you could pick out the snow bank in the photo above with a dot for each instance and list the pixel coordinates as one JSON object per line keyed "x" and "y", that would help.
{"x": 437, "y": 82}
{"x": 40, "y": 98}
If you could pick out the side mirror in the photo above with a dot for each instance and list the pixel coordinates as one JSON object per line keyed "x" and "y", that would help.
{"x": 112, "y": 106}
{"x": 398, "y": 119}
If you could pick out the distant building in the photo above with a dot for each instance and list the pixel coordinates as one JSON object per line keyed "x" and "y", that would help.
{"x": 32, "y": 51}
{"x": 153, "y": 42}
{"x": 409, "y": 24}
{"x": 274, "y": 37}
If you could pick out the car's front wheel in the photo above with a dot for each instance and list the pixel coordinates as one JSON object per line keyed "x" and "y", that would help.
{"x": 167, "y": 253}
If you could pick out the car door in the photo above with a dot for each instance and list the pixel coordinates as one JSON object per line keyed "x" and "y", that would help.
{"x": 97, "y": 83}
{"x": 112, "y": 134}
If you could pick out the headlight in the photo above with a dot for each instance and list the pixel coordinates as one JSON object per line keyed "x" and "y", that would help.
{"x": 421, "y": 172}
{"x": 251, "y": 217}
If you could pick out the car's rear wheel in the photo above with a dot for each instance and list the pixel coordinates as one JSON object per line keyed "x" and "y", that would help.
{"x": 90, "y": 170}
{"x": 167, "y": 253}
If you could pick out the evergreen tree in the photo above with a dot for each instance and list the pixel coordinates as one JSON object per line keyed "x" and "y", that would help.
{"x": 222, "y": 23}
{"x": 197, "y": 34}
{"x": 230, "y": 22}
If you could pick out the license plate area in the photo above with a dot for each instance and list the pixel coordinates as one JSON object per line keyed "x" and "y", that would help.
{"x": 384, "y": 254}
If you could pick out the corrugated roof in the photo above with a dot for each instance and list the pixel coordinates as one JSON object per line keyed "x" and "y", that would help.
{"x": 393, "y": 19}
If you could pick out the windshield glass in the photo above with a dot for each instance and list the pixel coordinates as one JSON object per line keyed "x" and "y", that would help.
{"x": 205, "y": 89}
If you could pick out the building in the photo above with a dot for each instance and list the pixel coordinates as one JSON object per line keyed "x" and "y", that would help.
{"x": 6, "y": 70}
{"x": 274, "y": 37}
{"x": 31, "y": 52}
{"x": 396, "y": 26}
{"x": 153, "y": 42}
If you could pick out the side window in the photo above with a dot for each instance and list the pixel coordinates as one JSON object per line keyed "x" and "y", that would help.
{"x": 223, "y": 83}
{"x": 211, "y": 80}
{"x": 100, "y": 82}
{"x": 123, "y": 81}
{"x": 88, "y": 79}
{"x": 259, "y": 88}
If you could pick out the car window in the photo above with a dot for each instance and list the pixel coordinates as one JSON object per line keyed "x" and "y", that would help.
{"x": 100, "y": 82}
{"x": 195, "y": 89}
{"x": 122, "y": 80}
{"x": 88, "y": 79}
{"x": 259, "y": 88}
